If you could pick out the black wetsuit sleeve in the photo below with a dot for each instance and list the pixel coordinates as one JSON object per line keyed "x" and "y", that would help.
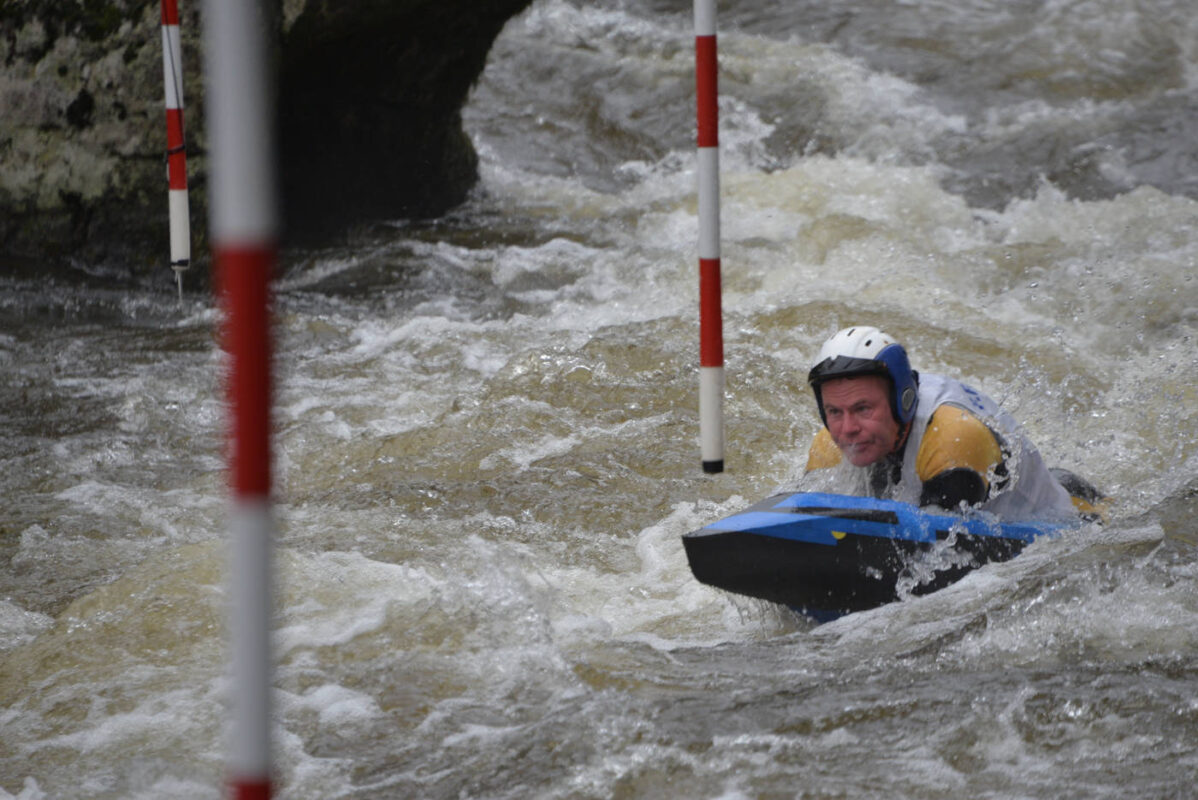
{"x": 949, "y": 488}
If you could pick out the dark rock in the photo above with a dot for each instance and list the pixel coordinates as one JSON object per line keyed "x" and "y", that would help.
{"x": 370, "y": 115}
{"x": 79, "y": 112}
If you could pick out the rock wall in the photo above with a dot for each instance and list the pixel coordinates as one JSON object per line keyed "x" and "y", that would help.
{"x": 369, "y": 100}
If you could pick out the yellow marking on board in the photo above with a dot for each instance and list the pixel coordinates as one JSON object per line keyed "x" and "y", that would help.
{"x": 838, "y": 535}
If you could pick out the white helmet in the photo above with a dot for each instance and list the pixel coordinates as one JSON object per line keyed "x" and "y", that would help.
{"x": 862, "y": 350}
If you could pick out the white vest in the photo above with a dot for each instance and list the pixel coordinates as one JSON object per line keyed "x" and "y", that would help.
{"x": 1030, "y": 491}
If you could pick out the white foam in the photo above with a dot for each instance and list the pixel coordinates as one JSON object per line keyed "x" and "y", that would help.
{"x": 523, "y": 455}
{"x": 340, "y": 707}
{"x": 19, "y": 626}
{"x": 321, "y": 615}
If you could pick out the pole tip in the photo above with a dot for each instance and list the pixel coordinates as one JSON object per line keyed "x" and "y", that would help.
{"x": 713, "y": 466}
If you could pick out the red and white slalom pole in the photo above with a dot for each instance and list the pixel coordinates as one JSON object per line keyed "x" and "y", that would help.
{"x": 711, "y": 335}
{"x": 176, "y": 153}
{"x": 243, "y": 225}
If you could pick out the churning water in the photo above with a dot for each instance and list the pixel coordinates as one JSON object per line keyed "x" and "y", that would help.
{"x": 487, "y": 442}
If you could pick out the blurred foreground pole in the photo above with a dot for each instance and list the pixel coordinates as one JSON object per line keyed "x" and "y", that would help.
{"x": 242, "y": 225}
{"x": 711, "y": 333}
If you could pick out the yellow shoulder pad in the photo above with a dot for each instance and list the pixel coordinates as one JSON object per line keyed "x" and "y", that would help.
{"x": 823, "y": 453}
{"x": 956, "y": 438}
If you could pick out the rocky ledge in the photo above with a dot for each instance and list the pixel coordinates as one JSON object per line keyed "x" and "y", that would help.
{"x": 369, "y": 119}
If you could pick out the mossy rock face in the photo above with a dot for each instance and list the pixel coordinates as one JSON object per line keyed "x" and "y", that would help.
{"x": 82, "y": 159}
{"x": 370, "y": 95}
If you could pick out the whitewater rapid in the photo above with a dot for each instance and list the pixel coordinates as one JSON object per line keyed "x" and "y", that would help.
{"x": 487, "y": 440}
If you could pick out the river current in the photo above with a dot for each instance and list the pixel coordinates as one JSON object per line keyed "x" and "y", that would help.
{"x": 487, "y": 437}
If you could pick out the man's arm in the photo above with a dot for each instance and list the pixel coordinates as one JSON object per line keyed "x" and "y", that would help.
{"x": 957, "y": 455}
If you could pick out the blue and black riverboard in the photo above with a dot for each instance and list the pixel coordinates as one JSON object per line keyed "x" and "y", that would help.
{"x": 829, "y": 554}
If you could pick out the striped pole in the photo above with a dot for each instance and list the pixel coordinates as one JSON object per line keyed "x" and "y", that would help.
{"x": 176, "y": 152}
{"x": 243, "y": 231}
{"x": 711, "y": 336}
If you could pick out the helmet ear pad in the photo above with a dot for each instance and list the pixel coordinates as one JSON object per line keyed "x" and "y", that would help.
{"x": 904, "y": 382}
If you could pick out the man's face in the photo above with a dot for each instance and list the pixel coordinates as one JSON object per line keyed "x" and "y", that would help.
{"x": 859, "y": 418}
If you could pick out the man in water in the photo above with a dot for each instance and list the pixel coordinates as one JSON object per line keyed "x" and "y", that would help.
{"x": 924, "y": 439}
